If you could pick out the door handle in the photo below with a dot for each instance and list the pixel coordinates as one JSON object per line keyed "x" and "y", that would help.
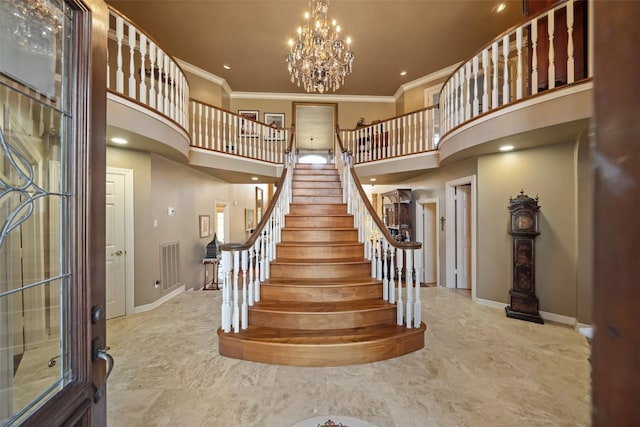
{"x": 116, "y": 253}
{"x": 100, "y": 352}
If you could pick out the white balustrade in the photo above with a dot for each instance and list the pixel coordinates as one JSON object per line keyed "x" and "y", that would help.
{"x": 158, "y": 83}
{"x": 404, "y": 135}
{"x": 516, "y": 65}
{"x": 215, "y": 129}
{"x": 387, "y": 259}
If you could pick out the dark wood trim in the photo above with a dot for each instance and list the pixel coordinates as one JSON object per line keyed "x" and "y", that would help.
{"x": 616, "y": 343}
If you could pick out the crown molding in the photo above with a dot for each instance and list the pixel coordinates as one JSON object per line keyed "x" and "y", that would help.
{"x": 205, "y": 75}
{"x": 304, "y": 97}
{"x": 444, "y": 72}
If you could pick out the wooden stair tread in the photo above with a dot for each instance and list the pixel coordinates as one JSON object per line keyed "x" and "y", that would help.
{"x": 314, "y": 261}
{"x": 322, "y": 307}
{"x": 308, "y": 283}
{"x": 324, "y": 337}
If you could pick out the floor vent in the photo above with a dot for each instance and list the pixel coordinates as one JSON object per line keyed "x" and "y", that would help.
{"x": 169, "y": 261}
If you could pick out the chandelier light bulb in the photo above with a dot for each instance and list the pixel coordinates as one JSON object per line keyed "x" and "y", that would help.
{"x": 318, "y": 60}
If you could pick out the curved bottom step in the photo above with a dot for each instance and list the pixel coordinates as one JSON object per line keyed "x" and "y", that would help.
{"x": 338, "y": 347}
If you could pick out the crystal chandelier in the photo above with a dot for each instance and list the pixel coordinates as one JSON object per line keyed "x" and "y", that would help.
{"x": 319, "y": 59}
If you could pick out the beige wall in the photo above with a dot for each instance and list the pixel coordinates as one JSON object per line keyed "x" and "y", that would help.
{"x": 547, "y": 172}
{"x": 585, "y": 230}
{"x": 160, "y": 183}
{"x": 348, "y": 112}
{"x": 413, "y": 99}
{"x": 204, "y": 90}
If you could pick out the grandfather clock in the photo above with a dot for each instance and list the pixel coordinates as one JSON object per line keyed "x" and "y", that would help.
{"x": 523, "y": 228}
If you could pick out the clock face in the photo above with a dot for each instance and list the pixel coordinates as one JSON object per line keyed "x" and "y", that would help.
{"x": 524, "y": 221}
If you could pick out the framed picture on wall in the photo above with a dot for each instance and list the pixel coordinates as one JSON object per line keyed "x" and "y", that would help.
{"x": 248, "y": 127}
{"x": 275, "y": 121}
{"x": 248, "y": 220}
{"x": 205, "y": 225}
{"x": 259, "y": 204}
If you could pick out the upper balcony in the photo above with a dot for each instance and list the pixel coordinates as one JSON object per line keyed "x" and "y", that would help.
{"x": 529, "y": 86}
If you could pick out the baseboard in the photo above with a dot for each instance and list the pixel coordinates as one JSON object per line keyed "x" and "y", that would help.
{"x": 551, "y": 317}
{"x": 157, "y": 303}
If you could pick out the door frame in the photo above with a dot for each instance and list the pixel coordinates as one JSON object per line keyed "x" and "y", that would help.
{"x": 450, "y": 236}
{"x": 420, "y": 232}
{"x": 129, "y": 237}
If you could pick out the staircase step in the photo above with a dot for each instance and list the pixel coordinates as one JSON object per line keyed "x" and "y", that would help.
{"x": 315, "y": 171}
{"x": 317, "y": 209}
{"x": 314, "y": 166}
{"x": 317, "y": 199}
{"x": 315, "y": 221}
{"x": 336, "y": 191}
{"x": 341, "y": 347}
{"x": 319, "y": 268}
{"x": 316, "y": 178}
{"x": 320, "y": 250}
{"x": 327, "y": 235}
{"x": 320, "y": 290}
{"x": 322, "y": 315}
{"x": 316, "y": 184}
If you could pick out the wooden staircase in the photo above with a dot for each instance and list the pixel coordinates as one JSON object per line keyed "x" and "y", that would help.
{"x": 320, "y": 306}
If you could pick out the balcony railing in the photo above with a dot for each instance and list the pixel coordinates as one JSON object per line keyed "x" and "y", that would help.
{"x": 139, "y": 69}
{"x": 548, "y": 51}
{"x": 215, "y": 129}
{"x": 411, "y": 133}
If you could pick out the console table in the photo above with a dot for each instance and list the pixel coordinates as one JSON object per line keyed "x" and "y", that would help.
{"x": 211, "y": 284}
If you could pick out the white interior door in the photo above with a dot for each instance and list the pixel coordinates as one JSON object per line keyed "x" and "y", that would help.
{"x": 430, "y": 243}
{"x": 463, "y": 236}
{"x": 116, "y": 268}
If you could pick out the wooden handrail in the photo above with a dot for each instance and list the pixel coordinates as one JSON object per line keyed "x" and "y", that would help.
{"x": 272, "y": 204}
{"x": 383, "y": 228}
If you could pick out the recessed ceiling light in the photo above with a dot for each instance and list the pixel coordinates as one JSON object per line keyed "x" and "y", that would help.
{"x": 117, "y": 140}
{"x": 226, "y": 66}
{"x": 499, "y": 8}
{"x": 372, "y": 179}
{"x": 403, "y": 73}
{"x": 254, "y": 178}
{"x": 506, "y": 148}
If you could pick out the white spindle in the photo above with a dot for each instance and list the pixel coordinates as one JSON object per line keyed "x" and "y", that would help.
{"x": 467, "y": 92}
{"x": 152, "y": 78}
{"x": 505, "y": 72}
{"x": 206, "y": 127}
{"x": 236, "y": 306}
{"x": 552, "y": 66}
{"x": 172, "y": 88}
{"x": 132, "y": 71}
{"x": 245, "y": 308}
{"x": 475, "y": 86}
{"x": 161, "y": 82}
{"x": 143, "y": 66}
{"x": 119, "y": 40}
{"x": 494, "y": 86}
{"x": 256, "y": 285}
{"x": 167, "y": 84}
{"x": 200, "y": 125}
{"x": 226, "y": 288}
{"x": 251, "y": 289}
{"x": 417, "y": 310}
{"x": 534, "y": 57}
{"x": 409, "y": 285}
{"x": 399, "y": 305}
{"x": 519, "y": 65}
{"x": 392, "y": 269}
{"x": 485, "y": 83}
{"x": 570, "y": 59}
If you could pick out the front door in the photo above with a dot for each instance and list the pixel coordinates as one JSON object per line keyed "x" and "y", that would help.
{"x": 52, "y": 156}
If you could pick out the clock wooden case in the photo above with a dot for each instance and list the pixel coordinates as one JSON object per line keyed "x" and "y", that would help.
{"x": 523, "y": 227}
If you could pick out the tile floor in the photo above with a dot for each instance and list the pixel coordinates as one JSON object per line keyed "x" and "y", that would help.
{"x": 478, "y": 368}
